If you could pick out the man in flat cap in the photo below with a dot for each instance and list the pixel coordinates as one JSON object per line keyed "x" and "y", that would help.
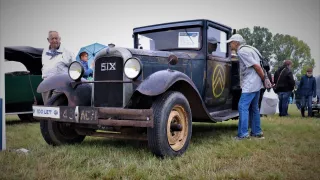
{"x": 307, "y": 89}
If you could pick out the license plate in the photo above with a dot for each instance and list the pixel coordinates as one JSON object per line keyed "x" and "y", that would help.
{"x": 46, "y": 112}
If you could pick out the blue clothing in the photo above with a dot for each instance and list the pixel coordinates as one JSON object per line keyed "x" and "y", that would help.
{"x": 84, "y": 64}
{"x": 283, "y": 103}
{"x": 249, "y": 109}
{"x": 307, "y": 86}
{"x": 87, "y": 71}
{"x": 53, "y": 53}
{"x": 306, "y": 101}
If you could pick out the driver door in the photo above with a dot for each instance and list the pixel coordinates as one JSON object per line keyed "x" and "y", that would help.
{"x": 218, "y": 69}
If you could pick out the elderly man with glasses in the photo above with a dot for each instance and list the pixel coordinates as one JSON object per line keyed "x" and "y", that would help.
{"x": 55, "y": 60}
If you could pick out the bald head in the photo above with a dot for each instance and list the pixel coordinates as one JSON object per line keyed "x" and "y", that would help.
{"x": 54, "y": 39}
{"x": 52, "y": 32}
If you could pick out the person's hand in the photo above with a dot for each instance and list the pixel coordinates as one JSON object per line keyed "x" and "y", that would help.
{"x": 267, "y": 84}
{"x": 92, "y": 65}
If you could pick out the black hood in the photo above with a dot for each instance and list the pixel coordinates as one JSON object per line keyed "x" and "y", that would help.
{"x": 28, "y": 56}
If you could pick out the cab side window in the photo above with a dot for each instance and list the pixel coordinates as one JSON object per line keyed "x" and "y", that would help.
{"x": 217, "y": 45}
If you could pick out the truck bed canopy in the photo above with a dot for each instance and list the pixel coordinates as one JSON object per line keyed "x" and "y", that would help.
{"x": 29, "y": 56}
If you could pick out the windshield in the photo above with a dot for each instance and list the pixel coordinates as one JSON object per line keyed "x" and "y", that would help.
{"x": 183, "y": 38}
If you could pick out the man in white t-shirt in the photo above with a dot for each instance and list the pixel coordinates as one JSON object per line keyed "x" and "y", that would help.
{"x": 252, "y": 80}
{"x": 55, "y": 60}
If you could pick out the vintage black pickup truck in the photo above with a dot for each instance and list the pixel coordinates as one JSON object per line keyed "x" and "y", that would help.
{"x": 177, "y": 73}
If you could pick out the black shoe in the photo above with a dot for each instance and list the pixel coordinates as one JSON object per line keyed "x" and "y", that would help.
{"x": 302, "y": 112}
{"x": 259, "y": 136}
{"x": 241, "y": 138}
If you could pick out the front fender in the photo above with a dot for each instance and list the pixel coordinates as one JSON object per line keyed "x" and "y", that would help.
{"x": 78, "y": 96}
{"x": 161, "y": 81}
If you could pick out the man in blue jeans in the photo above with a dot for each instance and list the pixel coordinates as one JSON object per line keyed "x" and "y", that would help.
{"x": 307, "y": 88}
{"x": 252, "y": 80}
{"x": 285, "y": 85}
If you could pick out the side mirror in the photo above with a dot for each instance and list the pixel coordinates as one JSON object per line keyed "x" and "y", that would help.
{"x": 173, "y": 59}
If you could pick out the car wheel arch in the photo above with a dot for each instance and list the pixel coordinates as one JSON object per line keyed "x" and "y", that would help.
{"x": 183, "y": 86}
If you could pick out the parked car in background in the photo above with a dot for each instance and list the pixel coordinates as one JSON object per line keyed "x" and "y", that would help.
{"x": 22, "y": 77}
{"x": 316, "y": 101}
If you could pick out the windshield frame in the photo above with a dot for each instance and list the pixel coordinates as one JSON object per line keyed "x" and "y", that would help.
{"x": 201, "y": 34}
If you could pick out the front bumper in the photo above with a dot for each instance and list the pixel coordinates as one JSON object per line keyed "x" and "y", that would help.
{"x": 104, "y": 116}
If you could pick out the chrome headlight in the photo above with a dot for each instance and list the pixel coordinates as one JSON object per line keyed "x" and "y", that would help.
{"x": 75, "y": 71}
{"x": 132, "y": 68}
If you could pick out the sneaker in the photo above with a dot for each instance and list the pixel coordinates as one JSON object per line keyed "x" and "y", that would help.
{"x": 241, "y": 138}
{"x": 259, "y": 136}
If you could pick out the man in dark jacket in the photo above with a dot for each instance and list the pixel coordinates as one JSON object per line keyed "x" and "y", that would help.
{"x": 307, "y": 89}
{"x": 284, "y": 83}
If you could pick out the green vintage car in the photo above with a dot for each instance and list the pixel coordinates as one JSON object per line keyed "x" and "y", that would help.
{"x": 22, "y": 77}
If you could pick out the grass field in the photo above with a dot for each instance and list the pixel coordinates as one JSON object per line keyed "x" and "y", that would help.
{"x": 291, "y": 150}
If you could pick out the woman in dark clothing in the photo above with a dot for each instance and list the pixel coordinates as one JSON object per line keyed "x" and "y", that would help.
{"x": 284, "y": 84}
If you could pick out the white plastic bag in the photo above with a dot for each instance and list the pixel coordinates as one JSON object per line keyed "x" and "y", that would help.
{"x": 314, "y": 99}
{"x": 269, "y": 103}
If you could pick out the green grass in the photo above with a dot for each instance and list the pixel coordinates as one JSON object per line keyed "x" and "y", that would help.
{"x": 291, "y": 150}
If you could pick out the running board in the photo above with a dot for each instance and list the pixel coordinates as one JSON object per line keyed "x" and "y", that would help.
{"x": 224, "y": 115}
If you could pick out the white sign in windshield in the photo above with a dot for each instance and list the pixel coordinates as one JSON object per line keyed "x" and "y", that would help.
{"x": 146, "y": 43}
{"x": 188, "y": 40}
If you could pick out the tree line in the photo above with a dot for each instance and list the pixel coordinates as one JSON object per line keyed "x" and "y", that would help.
{"x": 278, "y": 48}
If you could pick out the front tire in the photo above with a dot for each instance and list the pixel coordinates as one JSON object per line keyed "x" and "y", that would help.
{"x": 59, "y": 133}
{"x": 172, "y": 129}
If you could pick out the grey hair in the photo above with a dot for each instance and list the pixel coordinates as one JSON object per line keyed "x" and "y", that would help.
{"x": 52, "y": 32}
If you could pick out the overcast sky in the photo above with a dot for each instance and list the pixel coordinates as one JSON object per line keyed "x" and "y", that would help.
{"x": 27, "y": 22}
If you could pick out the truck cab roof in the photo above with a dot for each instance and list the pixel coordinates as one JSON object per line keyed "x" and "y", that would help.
{"x": 196, "y": 22}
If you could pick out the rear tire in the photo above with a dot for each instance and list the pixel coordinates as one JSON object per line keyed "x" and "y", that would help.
{"x": 170, "y": 109}
{"x": 59, "y": 133}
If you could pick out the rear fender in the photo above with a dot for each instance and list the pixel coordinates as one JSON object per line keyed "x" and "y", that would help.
{"x": 162, "y": 81}
{"x": 78, "y": 96}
